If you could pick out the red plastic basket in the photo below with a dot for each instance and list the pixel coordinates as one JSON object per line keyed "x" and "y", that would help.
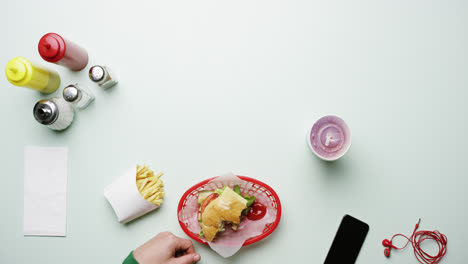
{"x": 258, "y": 185}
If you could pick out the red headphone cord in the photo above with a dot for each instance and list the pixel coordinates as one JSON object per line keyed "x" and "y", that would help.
{"x": 416, "y": 238}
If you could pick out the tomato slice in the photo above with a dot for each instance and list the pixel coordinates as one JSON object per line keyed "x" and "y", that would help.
{"x": 207, "y": 201}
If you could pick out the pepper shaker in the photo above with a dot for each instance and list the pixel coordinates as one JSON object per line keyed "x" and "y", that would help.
{"x": 56, "y": 49}
{"x": 103, "y": 76}
{"x": 55, "y": 113}
{"x": 78, "y": 96}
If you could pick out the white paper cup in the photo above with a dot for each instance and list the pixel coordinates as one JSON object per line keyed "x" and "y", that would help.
{"x": 125, "y": 199}
{"x": 344, "y": 148}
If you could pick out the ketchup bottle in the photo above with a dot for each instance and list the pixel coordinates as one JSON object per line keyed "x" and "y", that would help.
{"x": 53, "y": 48}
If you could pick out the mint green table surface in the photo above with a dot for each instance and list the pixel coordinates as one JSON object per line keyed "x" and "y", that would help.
{"x": 208, "y": 87}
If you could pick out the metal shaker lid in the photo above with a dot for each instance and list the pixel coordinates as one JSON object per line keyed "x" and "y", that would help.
{"x": 71, "y": 93}
{"x": 96, "y": 73}
{"x": 45, "y": 112}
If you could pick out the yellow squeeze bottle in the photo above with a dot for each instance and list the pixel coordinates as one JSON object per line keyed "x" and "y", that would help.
{"x": 21, "y": 72}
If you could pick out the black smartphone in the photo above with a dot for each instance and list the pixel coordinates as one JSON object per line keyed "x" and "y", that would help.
{"x": 348, "y": 241}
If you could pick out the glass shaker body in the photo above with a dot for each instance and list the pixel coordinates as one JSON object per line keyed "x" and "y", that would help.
{"x": 55, "y": 113}
{"x": 103, "y": 76}
{"x": 78, "y": 95}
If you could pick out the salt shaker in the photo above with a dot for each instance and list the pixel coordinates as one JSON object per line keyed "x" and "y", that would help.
{"x": 78, "y": 96}
{"x": 103, "y": 76}
{"x": 55, "y": 113}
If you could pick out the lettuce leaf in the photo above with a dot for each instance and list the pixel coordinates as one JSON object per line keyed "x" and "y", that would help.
{"x": 237, "y": 190}
{"x": 220, "y": 191}
{"x": 250, "y": 199}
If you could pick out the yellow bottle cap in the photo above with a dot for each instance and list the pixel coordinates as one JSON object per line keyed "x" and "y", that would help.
{"x": 18, "y": 71}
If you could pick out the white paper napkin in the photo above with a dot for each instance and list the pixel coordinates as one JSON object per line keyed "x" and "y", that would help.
{"x": 45, "y": 191}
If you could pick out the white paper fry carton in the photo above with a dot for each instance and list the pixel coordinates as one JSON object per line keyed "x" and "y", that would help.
{"x": 126, "y": 200}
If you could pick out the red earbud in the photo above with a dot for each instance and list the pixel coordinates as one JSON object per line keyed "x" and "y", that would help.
{"x": 387, "y": 243}
{"x": 387, "y": 252}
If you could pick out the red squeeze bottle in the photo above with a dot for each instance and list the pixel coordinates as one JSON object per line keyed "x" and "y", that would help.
{"x": 53, "y": 48}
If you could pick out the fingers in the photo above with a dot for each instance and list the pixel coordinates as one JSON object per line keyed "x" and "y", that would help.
{"x": 164, "y": 235}
{"x": 184, "y": 245}
{"x": 186, "y": 259}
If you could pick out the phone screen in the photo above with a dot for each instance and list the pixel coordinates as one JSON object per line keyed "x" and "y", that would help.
{"x": 348, "y": 241}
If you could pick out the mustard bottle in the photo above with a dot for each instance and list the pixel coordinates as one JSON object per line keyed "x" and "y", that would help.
{"x": 21, "y": 72}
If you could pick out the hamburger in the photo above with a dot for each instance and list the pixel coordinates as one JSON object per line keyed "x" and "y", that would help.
{"x": 221, "y": 207}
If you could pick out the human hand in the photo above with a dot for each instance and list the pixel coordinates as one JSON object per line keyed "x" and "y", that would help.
{"x": 166, "y": 248}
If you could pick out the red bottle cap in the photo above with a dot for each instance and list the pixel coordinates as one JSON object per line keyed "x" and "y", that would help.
{"x": 52, "y": 47}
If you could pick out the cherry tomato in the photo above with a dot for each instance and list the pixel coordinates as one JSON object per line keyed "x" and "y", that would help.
{"x": 257, "y": 211}
{"x": 207, "y": 201}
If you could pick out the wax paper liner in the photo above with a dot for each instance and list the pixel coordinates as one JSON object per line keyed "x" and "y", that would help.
{"x": 125, "y": 199}
{"x": 229, "y": 242}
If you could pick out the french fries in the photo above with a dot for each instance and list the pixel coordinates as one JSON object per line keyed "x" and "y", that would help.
{"x": 149, "y": 185}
